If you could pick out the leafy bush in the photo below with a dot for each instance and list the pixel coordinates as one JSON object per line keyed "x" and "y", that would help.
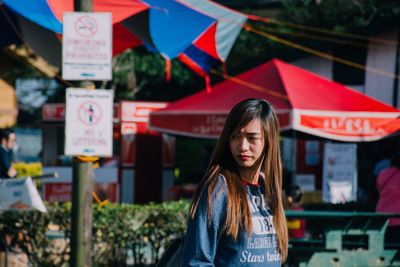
{"x": 28, "y": 169}
{"x": 120, "y": 231}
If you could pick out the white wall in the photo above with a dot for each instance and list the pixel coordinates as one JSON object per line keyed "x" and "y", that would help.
{"x": 382, "y": 57}
{"x": 318, "y": 65}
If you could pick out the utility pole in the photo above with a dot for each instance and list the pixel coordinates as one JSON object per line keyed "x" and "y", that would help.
{"x": 83, "y": 5}
{"x": 396, "y": 85}
{"x": 82, "y": 187}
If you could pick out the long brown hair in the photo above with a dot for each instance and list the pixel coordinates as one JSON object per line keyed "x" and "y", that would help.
{"x": 238, "y": 214}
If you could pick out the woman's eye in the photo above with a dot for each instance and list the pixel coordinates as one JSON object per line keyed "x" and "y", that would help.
{"x": 235, "y": 136}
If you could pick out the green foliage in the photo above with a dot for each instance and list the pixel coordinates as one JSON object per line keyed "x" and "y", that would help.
{"x": 191, "y": 168}
{"x": 26, "y": 71}
{"x": 140, "y": 75}
{"x": 27, "y": 231}
{"x": 144, "y": 230}
{"x": 364, "y": 16}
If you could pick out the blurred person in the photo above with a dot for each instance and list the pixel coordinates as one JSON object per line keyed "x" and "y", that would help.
{"x": 7, "y": 142}
{"x": 296, "y": 226}
{"x": 382, "y": 164}
{"x": 379, "y": 162}
{"x": 388, "y": 185}
{"x": 237, "y": 216}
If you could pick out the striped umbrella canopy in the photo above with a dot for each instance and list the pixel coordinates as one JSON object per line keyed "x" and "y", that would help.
{"x": 200, "y": 33}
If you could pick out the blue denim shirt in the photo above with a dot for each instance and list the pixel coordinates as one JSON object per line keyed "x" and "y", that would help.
{"x": 207, "y": 245}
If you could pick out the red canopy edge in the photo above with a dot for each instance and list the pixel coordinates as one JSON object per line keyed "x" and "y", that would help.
{"x": 198, "y": 124}
{"x": 346, "y": 126}
{"x": 335, "y": 125}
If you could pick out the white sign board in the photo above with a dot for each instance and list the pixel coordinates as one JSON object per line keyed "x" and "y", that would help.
{"x": 88, "y": 122}
{"x": 20, "y": 194}
{"x": 306, "y": 182}
{"x": 340, "y": 192}
{"x": 87, "y": 46}
{"x": 339, "y": 173}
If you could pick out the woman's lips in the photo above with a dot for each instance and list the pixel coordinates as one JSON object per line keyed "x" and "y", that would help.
{"x": 244, "y": 158}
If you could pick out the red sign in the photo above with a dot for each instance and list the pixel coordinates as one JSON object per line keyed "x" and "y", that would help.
{"x": 56, "y": 112}
{"x": 53, "y": 112}
{"x": 132, "y": 111}
{"x": 369, "y": 128}
{"x": 134, "y": 120}
{"x": 61, "y": 192}
{"x": 57, "y": 192}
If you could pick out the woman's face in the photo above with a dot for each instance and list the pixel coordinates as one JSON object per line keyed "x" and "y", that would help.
{"x": 247, "y": 145}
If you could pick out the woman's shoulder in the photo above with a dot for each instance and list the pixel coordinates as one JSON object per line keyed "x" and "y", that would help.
{"x": 221, "y": 180}
{"x": 219, "y": 187}
{"x": 214, "y": 194}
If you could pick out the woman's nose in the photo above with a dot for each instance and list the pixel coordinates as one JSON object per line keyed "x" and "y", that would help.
{"x": 243, "y": 145}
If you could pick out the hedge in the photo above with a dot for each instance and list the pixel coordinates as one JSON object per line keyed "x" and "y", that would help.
{"x": 121, "y": 233}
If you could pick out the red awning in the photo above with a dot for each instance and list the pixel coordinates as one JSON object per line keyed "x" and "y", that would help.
{"x": 305, "y": 102}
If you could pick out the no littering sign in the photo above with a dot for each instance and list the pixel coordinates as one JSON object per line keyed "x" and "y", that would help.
{"x": 87, "y": 46}
{"x": 90, "y": 113}
{"x": 88, "y": 122}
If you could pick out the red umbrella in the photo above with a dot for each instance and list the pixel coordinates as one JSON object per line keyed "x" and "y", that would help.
{"x": 305, "y": 102}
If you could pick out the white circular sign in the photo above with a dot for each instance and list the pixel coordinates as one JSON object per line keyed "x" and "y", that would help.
{"x": 86, "y": 26}
{"x": 89, "y": 113}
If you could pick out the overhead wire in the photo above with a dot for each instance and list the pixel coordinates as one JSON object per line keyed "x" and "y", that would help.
{"x": 305, "y": 49}
{"x": 313, "y": 37}
{"x": 321, "y": 54}
{"x": 315, "y": 52}
{"x": 263, "y": 33}
{"x": 325, "y": 31}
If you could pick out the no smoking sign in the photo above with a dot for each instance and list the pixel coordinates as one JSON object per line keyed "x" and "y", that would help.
{"x": 86, "y": 26}
{"x": 87, "y": 46}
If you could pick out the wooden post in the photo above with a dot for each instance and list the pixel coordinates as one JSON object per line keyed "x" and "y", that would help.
{"x": 81, "y": 214}
{"x": 83, "y": 5}
{"x": 82, "y": 187}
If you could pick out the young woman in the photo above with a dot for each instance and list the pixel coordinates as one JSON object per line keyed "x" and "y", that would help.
{"x": 237, "y": 217}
